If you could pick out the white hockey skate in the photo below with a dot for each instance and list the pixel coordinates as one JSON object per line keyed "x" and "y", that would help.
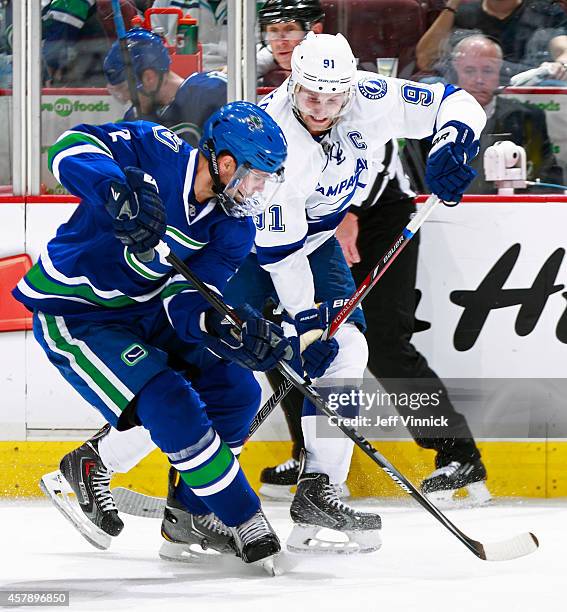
{"x": 315, "y": 507}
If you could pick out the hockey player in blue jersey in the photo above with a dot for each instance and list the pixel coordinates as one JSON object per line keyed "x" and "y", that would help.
{"x": 135, "y": 339}
{"x": 182, "y": 105}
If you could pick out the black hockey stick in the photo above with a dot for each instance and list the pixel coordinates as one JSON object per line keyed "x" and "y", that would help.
{"x": 517, "y": 546}
{"x": 361, "y": 292}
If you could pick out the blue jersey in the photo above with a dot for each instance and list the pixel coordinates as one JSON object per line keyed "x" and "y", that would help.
{"x": 198, "y": 97}
{"x": 86, "y": 270}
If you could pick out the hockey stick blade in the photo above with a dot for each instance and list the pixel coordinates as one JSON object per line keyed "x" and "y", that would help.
{"x": 138, "y": 504}
{"x": 505, "y": 550}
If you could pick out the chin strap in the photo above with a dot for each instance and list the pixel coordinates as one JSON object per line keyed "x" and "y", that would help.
{"x": 218, "y": 186}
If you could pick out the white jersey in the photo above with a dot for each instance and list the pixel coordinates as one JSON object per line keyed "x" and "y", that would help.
{"x": 324, "y": 176}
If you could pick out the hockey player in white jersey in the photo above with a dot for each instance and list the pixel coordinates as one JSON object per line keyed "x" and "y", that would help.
{"x": 335, "y": 119}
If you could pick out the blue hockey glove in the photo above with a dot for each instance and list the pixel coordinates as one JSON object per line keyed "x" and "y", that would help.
{"x": 447, "y": 173}
{"x": 315, "y": 359}
{"x": 259, "y": 346}
{"x": 137, "y": 210}
{"x": 311, "y": 354}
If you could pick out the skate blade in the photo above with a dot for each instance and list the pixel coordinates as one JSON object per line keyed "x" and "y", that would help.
{"x": 276, "y": 565}
{"x": 477, "y": 494}
{"x": 308, "y": 539}
{"x": 278, "y": 492}
{"x": 57, "y": 489}
{"x": 189, "y": 553}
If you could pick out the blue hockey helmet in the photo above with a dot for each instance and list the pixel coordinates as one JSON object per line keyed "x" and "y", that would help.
{"x": 258, "y": 145}
{"x": 146, "y": 51}
{"x": 248, "y": 133}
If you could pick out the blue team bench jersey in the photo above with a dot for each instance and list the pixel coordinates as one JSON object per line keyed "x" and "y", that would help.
{"x": 197, "y": 98}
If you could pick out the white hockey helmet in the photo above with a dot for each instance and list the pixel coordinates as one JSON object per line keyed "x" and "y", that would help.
{"x": 323, "y": 63}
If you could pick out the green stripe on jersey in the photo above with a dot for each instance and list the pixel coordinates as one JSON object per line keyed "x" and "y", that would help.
{"x": 175, "y": 288}
{"x": 39, "y": 281}
{"x": 206, "y": 474}
{"x": 70, "y": 140}
{"x": 141, "y": 270}
{"x": 84, "y": 363}
{"x": 183, "y": 239}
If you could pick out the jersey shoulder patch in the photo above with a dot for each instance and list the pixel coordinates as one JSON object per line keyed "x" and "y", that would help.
{"x": 373, "y": 88}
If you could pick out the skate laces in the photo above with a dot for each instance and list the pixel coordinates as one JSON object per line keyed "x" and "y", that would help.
{"x": 100, "y": 481}
{"x": 331, "y": 496}
{"x": 213, "y": 523}
{"x": 290, "y": 464}
{"x": 254, "y": 528}
{"x": 446, "y": 470}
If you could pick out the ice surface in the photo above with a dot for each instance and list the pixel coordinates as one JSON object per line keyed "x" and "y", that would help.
{"x": 420, "y": 568}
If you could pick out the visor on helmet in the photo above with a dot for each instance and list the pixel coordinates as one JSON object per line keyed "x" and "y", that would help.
{"x": 249, "y": 191}
{"x": 320, "y": 105}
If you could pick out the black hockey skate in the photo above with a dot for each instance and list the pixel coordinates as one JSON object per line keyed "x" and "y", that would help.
{"x": 442, "y": 485}
{"x": 277, "y": 481}
{"x": 190, "y": 537}
{"x": 257, "y": 542}
{"x": 82, "y": 472}
{"x": 316, "y": 506}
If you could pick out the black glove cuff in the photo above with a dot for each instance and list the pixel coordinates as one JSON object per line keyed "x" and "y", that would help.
{"x": 212, "y": 322}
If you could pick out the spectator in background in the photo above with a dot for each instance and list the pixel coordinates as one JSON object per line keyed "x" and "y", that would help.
{"x": 531, "y": 33}
{"x": 476, "y": 62}
{"x": 180, "y": 104}
{"x": 283, "y": 25}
